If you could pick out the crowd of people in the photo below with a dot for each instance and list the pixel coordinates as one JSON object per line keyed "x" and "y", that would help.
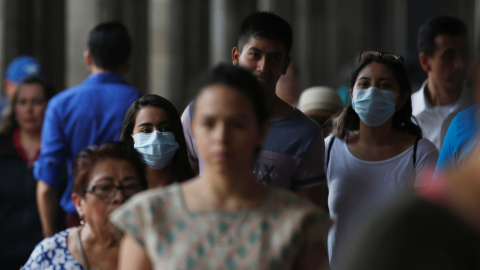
{"x": 253, "y": 174}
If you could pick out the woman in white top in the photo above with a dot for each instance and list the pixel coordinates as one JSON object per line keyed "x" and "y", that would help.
{"x": 377, "y": 150}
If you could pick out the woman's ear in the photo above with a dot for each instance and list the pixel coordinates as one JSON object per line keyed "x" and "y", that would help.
{"x": 78, "y": 201}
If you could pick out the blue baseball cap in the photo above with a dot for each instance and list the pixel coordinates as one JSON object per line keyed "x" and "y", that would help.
{"x": 22, "y": 67}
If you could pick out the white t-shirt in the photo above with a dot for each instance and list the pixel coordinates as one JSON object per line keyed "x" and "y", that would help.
{"x": 435, "y": 120}
{"x": 358, "y": 188}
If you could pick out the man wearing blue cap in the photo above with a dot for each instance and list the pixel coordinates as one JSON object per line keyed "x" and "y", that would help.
{"x": 18, "y": 69}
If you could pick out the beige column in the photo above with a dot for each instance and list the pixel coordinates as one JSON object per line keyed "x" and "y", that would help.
{"x": 223, "y": 30}
{"x": 166, "y": 55}
{"x": 282, "y": 7}
{"x": 81, "y": 17}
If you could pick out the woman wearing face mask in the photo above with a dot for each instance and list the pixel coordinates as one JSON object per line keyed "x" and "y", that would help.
{"x": 376, "y": 150}
{"x": 152, "y": 125}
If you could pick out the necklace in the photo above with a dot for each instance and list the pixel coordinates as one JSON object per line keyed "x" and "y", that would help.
{"x": 84, "y": 263}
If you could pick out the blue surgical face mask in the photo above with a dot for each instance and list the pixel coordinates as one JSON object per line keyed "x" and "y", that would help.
{"x": 157, "y": 148}
{"x": 374, "y": 106}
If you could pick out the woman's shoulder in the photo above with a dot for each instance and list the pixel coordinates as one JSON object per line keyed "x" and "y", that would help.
{"x": 6, "y": 143}
{"x": 427, "y": 149}
{"x": 153, "y": 201}
{"x": 52, "y": 252}
{"x": 425, "y": 144}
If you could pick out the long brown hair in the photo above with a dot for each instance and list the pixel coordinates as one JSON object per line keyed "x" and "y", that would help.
{"x": 181, "y": 165}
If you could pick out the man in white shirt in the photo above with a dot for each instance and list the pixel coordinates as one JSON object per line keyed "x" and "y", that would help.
{"x": 442, "y": 47}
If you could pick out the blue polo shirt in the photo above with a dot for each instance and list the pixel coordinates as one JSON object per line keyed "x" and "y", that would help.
{"x": 90, "y": 113}
{"x": 459, "y": 141}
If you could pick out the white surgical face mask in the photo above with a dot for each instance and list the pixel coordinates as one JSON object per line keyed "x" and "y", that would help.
{"x": 374, "y": 106}
{"x": 157, "y": 148}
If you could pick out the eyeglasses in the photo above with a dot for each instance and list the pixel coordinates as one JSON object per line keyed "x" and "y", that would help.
{"x": 108, "y": 191}
{"x": 390, "y": 57}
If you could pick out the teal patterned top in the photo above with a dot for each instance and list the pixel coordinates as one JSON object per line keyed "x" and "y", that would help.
{"x": 285, "y": 230}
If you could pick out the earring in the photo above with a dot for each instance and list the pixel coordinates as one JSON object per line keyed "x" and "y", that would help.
{"x": 82, "y": 221}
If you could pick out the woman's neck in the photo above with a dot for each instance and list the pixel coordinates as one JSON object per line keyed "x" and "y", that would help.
{"x": 30, "y": 142}
{"x": 376, "y": 135}
{"x": 160, "y": 178}
{"x": 100, "y": 237}
{"x": 232, "y": 191}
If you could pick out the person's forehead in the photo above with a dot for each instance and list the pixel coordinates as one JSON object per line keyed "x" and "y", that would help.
{"x": 265, "y": 45}
{"x": 445, "y": 41}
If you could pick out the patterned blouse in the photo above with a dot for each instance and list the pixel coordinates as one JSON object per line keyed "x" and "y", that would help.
{"x": 275, "y": 236}
{"x": 52, "y": 253}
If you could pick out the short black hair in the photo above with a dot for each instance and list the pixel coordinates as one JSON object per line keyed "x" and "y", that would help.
{"x": 243, "y": 81}
{"x": 267, "y": 25}
{"x": 434, "y": 26}
{"x": 110, "y": 45}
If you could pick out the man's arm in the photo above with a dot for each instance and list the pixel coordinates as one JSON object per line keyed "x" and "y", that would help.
{"x": 48, "y": 168}
{"x": 47, "y": 207}
{"x": 313, "y": 164}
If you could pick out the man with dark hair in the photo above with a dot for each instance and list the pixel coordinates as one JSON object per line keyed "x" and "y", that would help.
{"x": 90, "y": 113}
{"x": 293, "y": 153}
{"x": 442, "y": 47}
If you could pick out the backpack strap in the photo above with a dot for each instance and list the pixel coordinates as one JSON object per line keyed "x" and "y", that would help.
{"x": 329, "y": 149}
{"x": 415, "y": 152}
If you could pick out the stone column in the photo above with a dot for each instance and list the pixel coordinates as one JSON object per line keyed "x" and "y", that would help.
{"x": 223, "y": 30}
{"x": 81, "y": 17}
{"x": 282, "y": 7}
{"x": 166, "y": 54}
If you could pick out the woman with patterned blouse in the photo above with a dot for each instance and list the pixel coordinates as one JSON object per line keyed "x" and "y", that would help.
{"x": 105, "y": 177}
{"x": 224, "y": 218}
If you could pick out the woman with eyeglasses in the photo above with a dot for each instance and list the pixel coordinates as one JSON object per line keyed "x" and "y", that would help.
{"x": 105, "y": 177}
{"x": 153, "y": 127}
{"x": 224, "y": 218}
{"x": 376, "y": 151}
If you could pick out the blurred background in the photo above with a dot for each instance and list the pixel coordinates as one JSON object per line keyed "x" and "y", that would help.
{"x": 176, "y": 41}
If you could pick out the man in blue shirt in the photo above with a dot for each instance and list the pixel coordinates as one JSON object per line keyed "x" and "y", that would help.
{"x": 90, "y": 113}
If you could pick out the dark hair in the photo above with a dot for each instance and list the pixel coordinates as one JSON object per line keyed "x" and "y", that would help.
{"x": 90, "y": 156}
{"x": 10, "y": 120}
{"x": 110, "y": 45}
{"x": 268, "y": 25}
{"x": 440, "y": 25}
{"x": 402, "y": 118}
{"x": 243, "y": 81}
{"x": 181, "y": 165}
